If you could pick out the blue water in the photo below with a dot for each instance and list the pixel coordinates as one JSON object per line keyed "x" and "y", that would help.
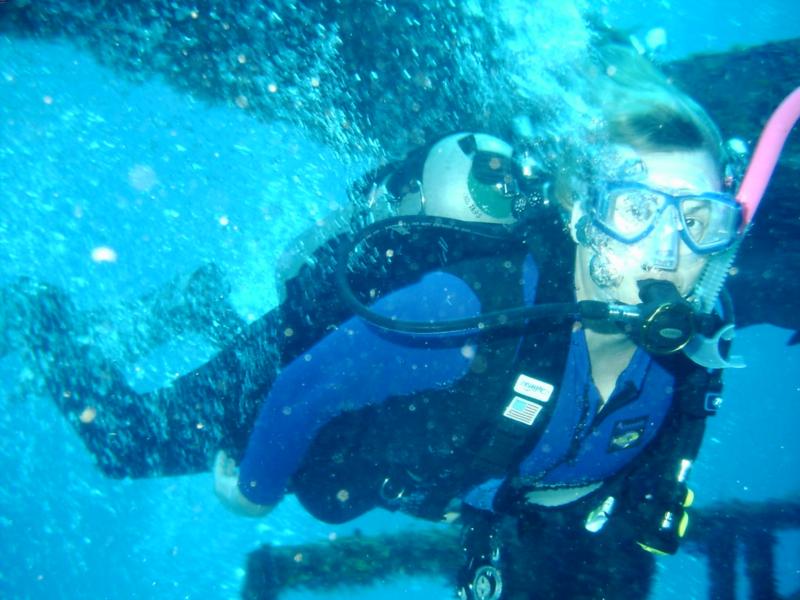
{"x": 88, "y": 160}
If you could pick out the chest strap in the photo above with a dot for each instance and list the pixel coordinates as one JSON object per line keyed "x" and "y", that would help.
{"x": 520, "y": 410}
{"x": 500, "y": 440}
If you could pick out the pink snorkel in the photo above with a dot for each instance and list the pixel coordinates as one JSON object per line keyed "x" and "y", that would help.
{"x": 766, "y": 155}
{"x": 706, "y": 351}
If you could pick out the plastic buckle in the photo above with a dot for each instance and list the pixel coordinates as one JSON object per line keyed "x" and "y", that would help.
{"x": 713, "y": 402}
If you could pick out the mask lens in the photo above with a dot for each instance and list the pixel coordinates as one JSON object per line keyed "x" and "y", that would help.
{"x": 629, "y": 212}
{"x": 709, "y": 222}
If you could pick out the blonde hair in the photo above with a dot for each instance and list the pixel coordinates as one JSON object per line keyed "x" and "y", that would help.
{"x": 634, "y": 105}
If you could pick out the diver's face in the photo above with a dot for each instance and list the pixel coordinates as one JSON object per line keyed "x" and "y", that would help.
{"x": 608, "y": 269}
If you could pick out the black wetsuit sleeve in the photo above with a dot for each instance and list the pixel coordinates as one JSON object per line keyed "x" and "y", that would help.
{"x": 178, "y": 428}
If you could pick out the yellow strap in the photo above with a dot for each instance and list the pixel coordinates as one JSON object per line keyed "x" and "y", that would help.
{"x": 683, "y": 525}
{"x": 652, "y": 550}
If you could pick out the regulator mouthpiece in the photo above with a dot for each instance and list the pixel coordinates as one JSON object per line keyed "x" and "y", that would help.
{"x": 667, "y": 321}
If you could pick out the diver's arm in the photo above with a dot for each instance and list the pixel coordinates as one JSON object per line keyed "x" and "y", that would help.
{"x": 226, "y": 487}
{"x": 352, "y": 367}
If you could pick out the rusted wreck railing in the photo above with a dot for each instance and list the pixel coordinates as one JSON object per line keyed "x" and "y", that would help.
{"x": 721, "y": 532}
{"x": 725, "y": 531}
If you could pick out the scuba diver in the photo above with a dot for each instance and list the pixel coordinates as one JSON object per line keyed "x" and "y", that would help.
{"x": 534, "y": 348}
{"x": 515, "y": 351}
{"x": 518, "y": 337}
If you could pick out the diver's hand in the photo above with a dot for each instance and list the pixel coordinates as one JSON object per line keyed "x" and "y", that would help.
{"x": 226, "y": 487}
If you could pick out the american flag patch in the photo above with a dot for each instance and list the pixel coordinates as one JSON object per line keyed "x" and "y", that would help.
{"x": 522, "y": 410}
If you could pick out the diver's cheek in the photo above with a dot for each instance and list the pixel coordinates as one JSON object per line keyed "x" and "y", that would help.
{"x": 690, "y": 267}
{"x": 631, "y": 293}
{"x": 628, "y": 290}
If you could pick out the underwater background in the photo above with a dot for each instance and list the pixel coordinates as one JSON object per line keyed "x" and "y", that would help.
{"x": 109, "y": 188}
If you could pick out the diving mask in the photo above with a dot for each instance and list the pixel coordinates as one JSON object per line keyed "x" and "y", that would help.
{"x": 629, "y": 211}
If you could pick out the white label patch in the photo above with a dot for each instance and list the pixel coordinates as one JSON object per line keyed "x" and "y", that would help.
{"x": 533, "y": 388}
{"x": 522, "y": 410}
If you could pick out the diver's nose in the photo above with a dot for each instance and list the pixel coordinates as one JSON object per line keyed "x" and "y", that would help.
{"x": 664, "y": 242}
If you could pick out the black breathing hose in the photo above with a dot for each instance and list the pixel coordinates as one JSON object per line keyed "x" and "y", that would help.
{"x": 518, "y": 316}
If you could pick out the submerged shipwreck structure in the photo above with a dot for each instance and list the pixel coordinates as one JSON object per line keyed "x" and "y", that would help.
{"x": 722, "y": 533}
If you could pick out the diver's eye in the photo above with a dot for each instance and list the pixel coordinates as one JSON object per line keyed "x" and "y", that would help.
{"x": 696, "y": 217}
{"x": 693, "y": 225}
